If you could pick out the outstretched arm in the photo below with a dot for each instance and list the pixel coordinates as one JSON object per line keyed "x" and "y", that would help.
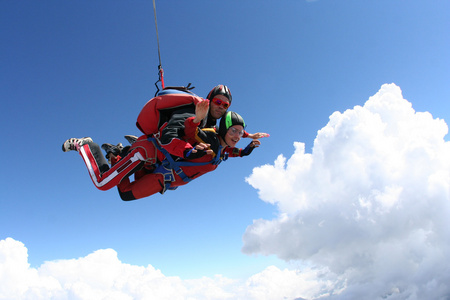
{"x": 191, "y": 130}
{"x": 238, "y": 152}
{"x": 247, "y": 150}
{"x": 201, "y": 111}
{"x": 172, "y": 135}
{"x": 176, "y": 137}
{"x": 191, "y": 124}
{"x": 257, "y": 135}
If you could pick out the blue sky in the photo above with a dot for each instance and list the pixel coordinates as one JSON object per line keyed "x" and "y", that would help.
{"x": 85, "y": 68}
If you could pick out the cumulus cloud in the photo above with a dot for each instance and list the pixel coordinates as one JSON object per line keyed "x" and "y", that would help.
{"x": 101, "y": 275}
{"x": 370, "y": 203}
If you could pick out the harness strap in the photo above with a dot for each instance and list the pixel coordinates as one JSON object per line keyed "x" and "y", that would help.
{"x": 169, "y": 165}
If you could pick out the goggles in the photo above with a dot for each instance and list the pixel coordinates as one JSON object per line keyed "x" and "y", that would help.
{"x": 221, "y": 103}
{"x": 233, "y": 131}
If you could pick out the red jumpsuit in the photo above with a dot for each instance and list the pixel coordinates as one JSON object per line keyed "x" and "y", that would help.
{"x": 146, "y": 184}
{"x": 140, "y": 159}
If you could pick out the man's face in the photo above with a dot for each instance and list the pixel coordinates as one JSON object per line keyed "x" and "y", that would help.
{"x": 216, "y": 110}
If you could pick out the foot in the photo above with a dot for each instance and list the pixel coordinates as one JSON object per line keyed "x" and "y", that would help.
{"x": 74, "y": 143}
{"x": 112, "y": 149}
{"x": 131, "y": 139}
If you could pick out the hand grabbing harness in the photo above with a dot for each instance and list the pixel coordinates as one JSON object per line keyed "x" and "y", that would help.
{"x": 170, "y": 165}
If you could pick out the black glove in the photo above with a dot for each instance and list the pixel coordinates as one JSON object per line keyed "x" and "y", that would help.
{"x": 189, "y": 154}
{"x": 247, "y": 150}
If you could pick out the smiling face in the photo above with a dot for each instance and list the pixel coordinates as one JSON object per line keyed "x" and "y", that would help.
{"x": 234, "y": 135}
{"x": 217, "y": 111}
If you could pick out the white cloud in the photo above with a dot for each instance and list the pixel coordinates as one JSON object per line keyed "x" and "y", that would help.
{"x": 370, "y": 203}
{"x": 101, "y": 275}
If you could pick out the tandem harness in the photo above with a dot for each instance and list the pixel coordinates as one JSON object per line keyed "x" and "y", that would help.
{"x": 169, "y": 165}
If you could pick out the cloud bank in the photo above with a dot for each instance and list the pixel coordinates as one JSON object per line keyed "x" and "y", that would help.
{"x": 101, "y": 275}
{"x": 370, "y": 203}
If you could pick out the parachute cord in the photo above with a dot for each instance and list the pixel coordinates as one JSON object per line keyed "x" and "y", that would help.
{"x": 160, "y": 69}
{"x": 160, "y": 79}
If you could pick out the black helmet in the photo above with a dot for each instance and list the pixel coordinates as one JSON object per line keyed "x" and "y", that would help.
{"x": 229, "y": 119}
{"x": 219, "y": 90}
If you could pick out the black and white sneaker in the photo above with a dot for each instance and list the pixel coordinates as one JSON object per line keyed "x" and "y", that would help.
{"x": 74, "y": 143}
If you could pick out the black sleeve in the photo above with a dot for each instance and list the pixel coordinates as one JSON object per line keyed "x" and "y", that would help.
{"x": 175, "y": 125}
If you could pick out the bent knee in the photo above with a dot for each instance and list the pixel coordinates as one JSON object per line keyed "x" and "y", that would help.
{"x": 126, "y": 196}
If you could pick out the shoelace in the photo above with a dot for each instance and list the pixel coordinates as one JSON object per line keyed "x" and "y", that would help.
{"x": 74, "y": 144}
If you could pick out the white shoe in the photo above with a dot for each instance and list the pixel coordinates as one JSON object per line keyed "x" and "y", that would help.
{"x": 74, "y": 143}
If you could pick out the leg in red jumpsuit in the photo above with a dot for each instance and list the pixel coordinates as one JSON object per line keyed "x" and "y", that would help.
{"x": 146, "y": 184}
{"x": 104, "y": 178}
